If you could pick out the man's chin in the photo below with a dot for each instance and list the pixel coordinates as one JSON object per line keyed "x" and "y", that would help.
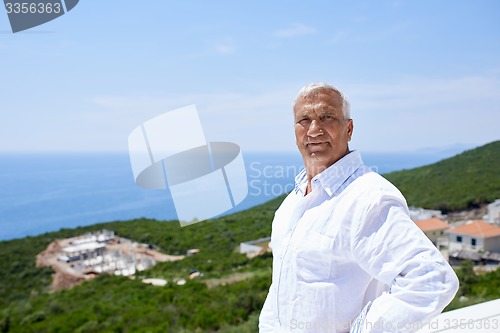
{"x": 317, "y": 158}
{"x": 318, "y": 152}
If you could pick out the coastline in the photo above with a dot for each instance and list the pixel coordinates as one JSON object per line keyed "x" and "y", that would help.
{"x": 49, "y": 192}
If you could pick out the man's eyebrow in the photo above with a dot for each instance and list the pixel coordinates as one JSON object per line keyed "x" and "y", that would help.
{"x": 329, "y": 112}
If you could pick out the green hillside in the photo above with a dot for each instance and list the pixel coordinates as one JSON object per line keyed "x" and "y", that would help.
{"x": 464, "y": 181}
{"x": 119, "y": 304}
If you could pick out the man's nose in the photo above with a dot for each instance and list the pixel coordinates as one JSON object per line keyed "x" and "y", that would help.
{"x": 315, "y": 128}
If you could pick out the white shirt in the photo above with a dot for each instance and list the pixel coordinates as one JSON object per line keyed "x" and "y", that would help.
{"x": 350, "y": 245}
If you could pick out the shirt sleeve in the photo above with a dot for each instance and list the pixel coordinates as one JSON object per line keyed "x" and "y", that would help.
{"x": 266, "y": 318}
{"x": 391, "y": 248}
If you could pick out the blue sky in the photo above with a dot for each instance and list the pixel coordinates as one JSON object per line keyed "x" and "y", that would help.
{"x": 418, "y": 74}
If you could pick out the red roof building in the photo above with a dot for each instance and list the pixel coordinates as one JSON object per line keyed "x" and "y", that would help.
{"x": 433, "y": 228}
{"x": 475, "y": 235}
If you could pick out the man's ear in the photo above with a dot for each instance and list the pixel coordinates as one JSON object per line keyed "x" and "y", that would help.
{"x": 350, "y": 128}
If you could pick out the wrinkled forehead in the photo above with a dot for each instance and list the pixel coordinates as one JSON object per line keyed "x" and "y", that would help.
{"x": 319, "y": 100}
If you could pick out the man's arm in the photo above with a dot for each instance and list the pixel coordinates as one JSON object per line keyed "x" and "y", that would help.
{"x": 266, "y": 318}
{"x": 392, "y": 249}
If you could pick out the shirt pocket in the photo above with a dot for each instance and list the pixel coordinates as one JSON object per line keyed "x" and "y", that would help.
{"x": 314, "y": 258}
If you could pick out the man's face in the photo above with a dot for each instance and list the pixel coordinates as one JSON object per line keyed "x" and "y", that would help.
{"x": 322, "y": 134}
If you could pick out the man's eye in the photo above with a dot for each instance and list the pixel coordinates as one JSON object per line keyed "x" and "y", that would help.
{"x": 327, "y": 117}
{"x": 303, "y": 121}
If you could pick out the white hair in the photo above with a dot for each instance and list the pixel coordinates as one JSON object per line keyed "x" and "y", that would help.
{"x": 311, "y": 87}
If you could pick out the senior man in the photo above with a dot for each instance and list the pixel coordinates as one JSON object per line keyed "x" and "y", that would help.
{"x": 347, "y": 257}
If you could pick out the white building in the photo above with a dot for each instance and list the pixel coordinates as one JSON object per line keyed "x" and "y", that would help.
{"x": 434, "y": 229}
{"x": 474, "y": 235}
{"x": 493, "y": 215}
{"x": 423, "y": 214}
{"x": 255, "y": 247}
{"x": 83, "y": 251}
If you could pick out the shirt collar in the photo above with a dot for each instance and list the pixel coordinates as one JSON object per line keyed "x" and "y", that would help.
{"x": 333, "y": 177}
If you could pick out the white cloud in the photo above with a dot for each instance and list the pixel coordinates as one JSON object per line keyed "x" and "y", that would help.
{"x": 238, "y": 117}
{"x": 337, "y": 37}
{"x": 421, "y": 112}
{"x": 400, "y": 115}
{"x": 214, "y": 48}
{"x": 396, "y": 3}
{"x": 295, "y": 30}
{"x": 360, "y": 19}
{"x": 224, "y": 49}
{"x": 426, "y": 94}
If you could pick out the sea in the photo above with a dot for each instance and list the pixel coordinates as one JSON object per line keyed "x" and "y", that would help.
{"x": 46, "y": 192}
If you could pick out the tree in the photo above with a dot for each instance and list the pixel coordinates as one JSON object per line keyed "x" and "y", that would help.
{"x": 466, "y": 277}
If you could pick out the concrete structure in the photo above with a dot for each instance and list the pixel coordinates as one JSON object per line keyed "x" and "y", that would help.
{"x": 487, "y": 260}
{"x": 474, "y": 235}
{"x": 480, "y": 318}
{"x": 493, "y": 215}
{"x": 83, "y": 251}
{"x": 423, "y": 214}
{"x": 156, "y": 282}
{"x": 192, "y": 252}
{"x": 80, "y": 258}
{"x": 87, "y": 246}
{"x": 434, "y": 229}
{"x": 255, "y": 247}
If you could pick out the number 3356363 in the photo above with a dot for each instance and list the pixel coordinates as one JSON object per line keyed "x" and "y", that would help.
{"x": 486, "y": 323}
{"x": 33, "y": 8}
